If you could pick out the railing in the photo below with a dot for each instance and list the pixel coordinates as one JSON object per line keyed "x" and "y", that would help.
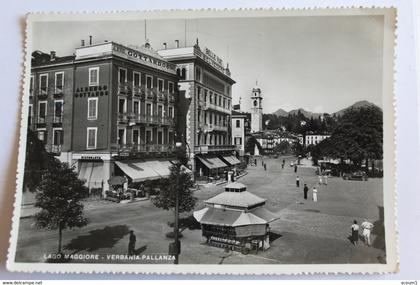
{"x": 42, "y": 120}
{"x": 171, "y": 97}
{"x": 58, "y": 119}
{"x": 139, "y": 90}
{"x": 207, "y": 105}
{"x": 145, "y": 119}
{"x": 161, "y": 95}
{"x": 214, "y": 127}
{"x": 56, "y": 149}
{"x": 142, "y": 148}
{"x": 213, "y": 148}
{"x": 151, "y": 93}
{"x": 124, "y": 88}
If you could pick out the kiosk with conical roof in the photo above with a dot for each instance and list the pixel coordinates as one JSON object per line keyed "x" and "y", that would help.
{"x": 236, "y": 219}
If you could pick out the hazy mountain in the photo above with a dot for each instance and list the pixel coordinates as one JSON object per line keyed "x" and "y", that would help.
{"x": 308, "y": 114}
{"x": 356, "y": 105}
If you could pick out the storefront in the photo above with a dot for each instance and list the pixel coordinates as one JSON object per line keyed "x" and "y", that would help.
{"x": 212, "y": 167}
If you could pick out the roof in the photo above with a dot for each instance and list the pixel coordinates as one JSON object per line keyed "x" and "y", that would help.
{"x": 243, "y": 199}
{"x": 40, "y": 58}
{"x": 233, "y": 218}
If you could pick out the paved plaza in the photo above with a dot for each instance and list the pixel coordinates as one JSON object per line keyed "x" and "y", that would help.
{"x": 307, "y": 232}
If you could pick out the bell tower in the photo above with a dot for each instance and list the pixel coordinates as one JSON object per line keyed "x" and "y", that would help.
{"x": 256, "y": 109}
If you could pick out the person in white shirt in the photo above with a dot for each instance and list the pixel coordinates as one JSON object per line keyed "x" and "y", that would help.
{"x": 314, "y": 194}
{"x": 367, "y": 229}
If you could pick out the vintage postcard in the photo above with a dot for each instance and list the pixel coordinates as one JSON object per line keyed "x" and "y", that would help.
{"x": 207, "y": 142}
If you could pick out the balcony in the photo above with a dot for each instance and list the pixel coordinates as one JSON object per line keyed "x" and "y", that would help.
{"x": 212, "y": 106}
{"x": 59, "y": 92}
{"x": 213, "y": 148}
{"x": 171, "y": 97}
{"x": 56, "y": 149}
{"x": 125, "y": 149}
{"x": 151, "y": 93}
{"x": 139, "y": 91}
{"x": 220, "y": 128}
{"x": 43, "y": 93}
{"x": 41, "y": 122}
{"x": 58, "y": 120}
{"x": 124, "y": 89}
{"x": 161, "y": 96}
{"x": 145, "y": 119}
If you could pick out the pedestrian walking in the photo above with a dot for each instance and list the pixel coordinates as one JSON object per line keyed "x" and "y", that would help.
{"x": 314, "y": 194}
{"x": 295, "y": 168}
{"x": 284, "y": 162}
{"x": 367, "y": 229}
{"x": 265, "y": 167}
{"x": 297, "y": 181}
{"x": 325, "y": 179}
{"x": 354, "y": 233}
{"x": 320, "y": 179}
{"x": 305, "y": 192}
{"x": 131, "y": 243}
{"x": 282, "y": 165}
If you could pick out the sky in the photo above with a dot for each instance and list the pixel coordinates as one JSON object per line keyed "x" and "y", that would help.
{"x": 319, "y": 63}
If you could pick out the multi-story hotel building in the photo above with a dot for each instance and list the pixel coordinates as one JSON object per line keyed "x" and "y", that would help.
{"x": 206, "y": 84}
{"x": 315, "y": 138}
{"x": 108, "y": 110}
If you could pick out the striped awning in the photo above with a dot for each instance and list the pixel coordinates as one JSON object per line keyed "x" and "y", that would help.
{"x": 232, "y": 160}
{"x": 212, "y": 163}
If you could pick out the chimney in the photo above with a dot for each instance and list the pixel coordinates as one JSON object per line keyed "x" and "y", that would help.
{"x": 90, "y": 40}
{"x": 177, "y": 43}
{"x": 52, "y": 55}
{"x": 164, "y": 45}
{"x": 82, "y": 43}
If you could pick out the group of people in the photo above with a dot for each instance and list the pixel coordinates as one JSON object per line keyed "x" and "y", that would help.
{"x": 366, "y": 231}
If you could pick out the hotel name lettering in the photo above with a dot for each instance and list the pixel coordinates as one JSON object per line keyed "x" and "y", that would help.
{"x": 211, "y": 58}
{"x": 140, "y": 57}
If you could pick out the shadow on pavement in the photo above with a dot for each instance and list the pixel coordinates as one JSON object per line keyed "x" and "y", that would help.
{"x": 104, "y": 238}
{"x": 273, "y": 236}
{"x": 140, "y": 250}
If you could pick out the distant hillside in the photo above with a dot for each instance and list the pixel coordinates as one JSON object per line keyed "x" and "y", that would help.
{"x": 356, "y": 105}
{"x": 308, "y": 114}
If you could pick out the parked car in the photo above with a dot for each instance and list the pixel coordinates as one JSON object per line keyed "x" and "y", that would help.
{"x": 358, "y": 175}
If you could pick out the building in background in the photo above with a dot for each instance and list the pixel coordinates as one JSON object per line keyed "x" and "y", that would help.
{"x": 205, "y": 86}
{"x": 238, "y": 131}
{"x": 256, "y": 110}
{"x": 315, "y": 138}
{"x": 110, "y": 110}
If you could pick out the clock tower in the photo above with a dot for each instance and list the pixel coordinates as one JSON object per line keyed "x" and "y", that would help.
{"x": 256, "y": 110}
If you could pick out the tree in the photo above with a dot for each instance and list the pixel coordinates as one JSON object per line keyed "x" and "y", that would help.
{"x": 37, "y": 161}
{"x": 358, "y": 136}
{"x": 59, "y": 196}
{"x": 179, "y": 183}
{"x": 282, "y": 147}
{"x": 250, "y": 145}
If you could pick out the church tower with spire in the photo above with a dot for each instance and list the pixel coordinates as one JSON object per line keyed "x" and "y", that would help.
{"x": 256, "y": 109}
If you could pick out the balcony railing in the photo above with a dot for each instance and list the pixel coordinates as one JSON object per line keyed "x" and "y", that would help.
{"x": 213, "y": 127}
{"x": 58, "y": 119}
{"x": 145, "y": 119}
{"x": 139, "y": 91}
{"x": 124, "y": 88}
{"x": 56, "y": 149}
{"x": 142, "y": 148}
{"x": 171, "y": 97}
{"x": 205, "y": 105}
{"x": 213, "y": 148}
{"x": 42, "y": 120}
{"x": 162, "y": 95}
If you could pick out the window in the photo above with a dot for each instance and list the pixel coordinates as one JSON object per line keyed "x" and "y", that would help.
{"x": 205, "y": 95}
{"x": 58, "y": 111}
{"x": 92, "y": 108}
{"x": 136, "y": 106}
{"x": 93, "y": 76}
{"x": 91, "y": 137}
{"x": 30, "y": 110}
{"x": 58, "y": 136}
{"x": 148, "y": 136}
{"x": 43, "y": 84}
{"x": 59, "y": 82}
{"x": 148, "y": 109}
{"x": 149, "y": 81}
{"x": 42, "y": 111}
{"x": 137, "y": 79}
{"x": 198, "y": 93}
{"x": 122, "y": 108}
{"x": 42, "y": 135}
{"x": 171, "y": 87}
{"x": 238, "y": 123}
{"x": 160, "y": 110}
{"x": 198, "y": 74}
{"x": 31, "y": 85}
{"x": 171, "y": 111}
{"x": 121, "y": 137}
{"x": 160, "y": 85}
{"x": 136, "y": 136}
{"x": 238, "y": 141}
{"x": 160, "y": 137}
{"x": 122, "y": 75}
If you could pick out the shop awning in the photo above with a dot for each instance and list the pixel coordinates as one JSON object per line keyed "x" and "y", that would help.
{"x": 161, "y": 167}
{"x": 212, "y": 163}
{"x": 92, "y": 173}
{"x": 232, "y": 160}
{"x": 138, "y": 171}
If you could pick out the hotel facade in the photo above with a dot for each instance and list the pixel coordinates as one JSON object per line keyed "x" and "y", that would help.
{"x": 206, "y": 84}
{"x": 107, "y": 110}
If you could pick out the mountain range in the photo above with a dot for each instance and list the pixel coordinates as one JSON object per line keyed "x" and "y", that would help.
{"x": 308, "y": 114}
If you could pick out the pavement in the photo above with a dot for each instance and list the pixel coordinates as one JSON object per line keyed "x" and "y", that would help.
{"x": 307, "y": 232}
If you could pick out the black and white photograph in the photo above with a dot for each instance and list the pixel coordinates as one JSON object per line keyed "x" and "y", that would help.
{"x": 257, "y": 141}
